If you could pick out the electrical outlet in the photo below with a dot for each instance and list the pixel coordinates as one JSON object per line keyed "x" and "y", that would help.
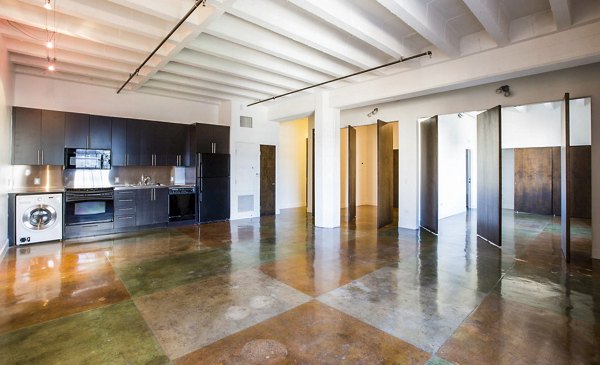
{"x": 172, "y": 178}
{"x": 116, "y": 179}
{"x": 37, "y": 181}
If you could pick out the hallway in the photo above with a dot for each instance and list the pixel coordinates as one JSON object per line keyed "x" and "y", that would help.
{"x": 276, "y": 290}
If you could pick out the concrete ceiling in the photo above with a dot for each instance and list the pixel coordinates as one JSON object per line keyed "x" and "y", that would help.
{"x": 249, "y": 50}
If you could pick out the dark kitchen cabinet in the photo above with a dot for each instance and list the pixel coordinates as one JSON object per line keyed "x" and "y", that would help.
{"x": 152, "y": 206}
{"x": 119, "y": 141}
{"x": 100, "y": 132}
{"x": 133, "y": 137}
{"x": 38, "y": 137}
{"x": 154, "y": 144}
{"x": 178, "y": 151}
{"x": 87, "y": 131}
{"x": 27, "y": 129}
{"x": 77, "y": 130}
{"x": 212, "y": 138}
{"x": 125, "y": 209}
{"x": 52, "y": 144}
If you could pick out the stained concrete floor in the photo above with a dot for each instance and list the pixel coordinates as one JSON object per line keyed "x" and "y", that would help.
{"x": 276, "y": 290}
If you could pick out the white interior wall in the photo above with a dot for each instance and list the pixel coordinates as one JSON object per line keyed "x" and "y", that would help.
{"x": 538, "y": 125}
{"x": 262, "y": 132}
{"x": 45, "y": 93}
{"x": 309, "y": 163}
{"x": 292, "y": 163}
{"x": 6, "y": 100}
{"x": 455, "y": 136}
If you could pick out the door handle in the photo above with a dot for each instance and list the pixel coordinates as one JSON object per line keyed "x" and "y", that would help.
{"x": 38, "y": 156}
{"x": 42, "y": 157}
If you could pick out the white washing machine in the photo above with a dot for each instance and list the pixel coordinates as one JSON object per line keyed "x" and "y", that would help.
{"x": 38, "y": 218}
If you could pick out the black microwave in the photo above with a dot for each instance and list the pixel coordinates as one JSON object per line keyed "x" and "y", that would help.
{"x": 84, "y": 158}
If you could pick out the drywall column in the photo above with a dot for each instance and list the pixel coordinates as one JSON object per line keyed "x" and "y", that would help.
{"x": 595, "y": 173}
{"x": 408, "y": 191}
{"x": 327, "y": 163}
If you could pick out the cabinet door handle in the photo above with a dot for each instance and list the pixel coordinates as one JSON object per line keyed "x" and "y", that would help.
{"x": 42, "y": 157}
{"x": 38, "y": 156}
{"x": 125, "y": 217}
{"x": 125, "y": 209}
{"x": 87, "y": 141}
{"x": 126, "y": 159}
{"x": 125, "y": 200}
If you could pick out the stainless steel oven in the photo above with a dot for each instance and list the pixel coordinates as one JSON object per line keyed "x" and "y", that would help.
{"x": 85, "y": 206}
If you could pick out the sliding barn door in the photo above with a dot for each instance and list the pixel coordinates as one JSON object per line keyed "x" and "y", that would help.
{"x": 565, "y": 181}
{"x": 489, "y": 176}
{"x": 429, "y": 174}
{"x": 351, "y": 173}
{"x": 385, "y": 171}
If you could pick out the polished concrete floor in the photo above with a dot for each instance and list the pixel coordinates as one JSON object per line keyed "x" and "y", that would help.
{"x": 276, "y": 290}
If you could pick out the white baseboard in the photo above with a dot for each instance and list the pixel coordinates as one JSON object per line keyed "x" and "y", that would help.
{"x": 4, "y": 249}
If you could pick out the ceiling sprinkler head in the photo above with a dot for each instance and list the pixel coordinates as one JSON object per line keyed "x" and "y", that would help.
{"x": 504, "y": 89}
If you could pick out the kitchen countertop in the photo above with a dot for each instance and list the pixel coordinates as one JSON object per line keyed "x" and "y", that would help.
{"x": 38, "y": 190}
{"x": 127, "y": 187}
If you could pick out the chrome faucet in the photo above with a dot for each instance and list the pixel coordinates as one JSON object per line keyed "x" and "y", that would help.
{"x": 145, "y": 180}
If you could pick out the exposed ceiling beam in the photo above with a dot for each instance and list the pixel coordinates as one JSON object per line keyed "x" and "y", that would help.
{"x": 249, "y": 35}
{"x": 66, "y": 67}
{"x": 41, "y": 52}
{"x": 205, "y": 85}
{"x": 201, "y": 60}
{"x": 81, "y": 28}
{"x": 34, "y": 71}
{"x": 179, "y": 95}
{"x": 339, "y": 14}
{"x": 209, "y": 15}
{"x": 194, "y": 91}
{"x": 234, "y": 52}
{"x": 284, "y": 19}
{"x": 427, "y": 21}
{"x": 562, "y": 11}
{"x": 493, "y": 18}
{"x": 221, "y": 78}
{"x": 156, "y": 8}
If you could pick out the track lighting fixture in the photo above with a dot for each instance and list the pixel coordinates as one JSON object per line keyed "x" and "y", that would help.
{"x": 48, "y": 5}
{"x": 504, "y": 89}
{"x": 51, "y": 64}
{"x": 373, "y": 112}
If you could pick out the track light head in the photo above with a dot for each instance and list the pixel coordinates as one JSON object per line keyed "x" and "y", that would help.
{"x": 48, "y": 5}
{"x": 504, "y": 89}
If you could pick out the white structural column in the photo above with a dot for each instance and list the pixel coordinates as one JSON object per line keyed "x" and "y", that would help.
{"x": 327, "y": 163}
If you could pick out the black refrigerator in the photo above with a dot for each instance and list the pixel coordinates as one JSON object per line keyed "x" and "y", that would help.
{"x": 213, "y": 187}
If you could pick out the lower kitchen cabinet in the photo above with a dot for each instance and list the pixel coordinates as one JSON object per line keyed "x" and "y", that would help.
{"x": 152, "y": 206}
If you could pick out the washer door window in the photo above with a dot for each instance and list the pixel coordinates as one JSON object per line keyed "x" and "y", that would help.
{"x": 39, "y": 217}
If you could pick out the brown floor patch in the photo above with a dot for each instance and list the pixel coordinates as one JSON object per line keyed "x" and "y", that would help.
{"x": 311, "y": 333}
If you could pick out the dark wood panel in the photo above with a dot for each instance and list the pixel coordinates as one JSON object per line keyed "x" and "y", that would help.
{"x": 556, "y": 181}
{"x": 396, "y": 174}
{"x": 581, "y": 181}
{"x": 533, "y": 180}
{"x": 429, "y": 174}
{"x": 119, "y": 141}
{"x": 565, "y": 181}
{"x": 53, "y": 137}
{"x": 77, "y": 130}
{"x": 100, "y": 132}
{"x": 351, "y": 173}
{"x": 385, "y": 170}
{"x": 489, "y": 176}
{"x": 26, "y": 136}
{"x": 267, "y": 180}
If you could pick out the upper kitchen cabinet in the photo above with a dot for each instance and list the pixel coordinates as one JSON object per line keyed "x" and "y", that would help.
{"x": 212, "y": 138}
{"x": 29, "y": 148}
{"x": 134, "y": 130}
{"x": 87, "y": 131}
{"x": 178, "y": 144}
{"x": 77, "y": 130}
{"x": 154, "y": 144}
{"x": 119, "y": 141}
{"x": 100, "y": 132}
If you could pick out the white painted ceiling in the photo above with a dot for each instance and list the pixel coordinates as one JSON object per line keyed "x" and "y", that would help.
{"x": 249, "y": 50}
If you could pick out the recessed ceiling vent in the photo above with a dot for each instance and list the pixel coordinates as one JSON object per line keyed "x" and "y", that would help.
{"x": 245, "y": 122}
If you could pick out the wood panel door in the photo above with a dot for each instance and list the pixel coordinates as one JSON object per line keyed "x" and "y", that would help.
{"x": 396, "y": 177}
{"x": 267, "y": 180}
{"x": 565, "y": 181}
{"x": 385, "y": 170}
{"x": 489, "y": 176}
{"x": 429, "y": 174}
{"x": 351, "y": 173}
{"x": 533, "y": 180}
